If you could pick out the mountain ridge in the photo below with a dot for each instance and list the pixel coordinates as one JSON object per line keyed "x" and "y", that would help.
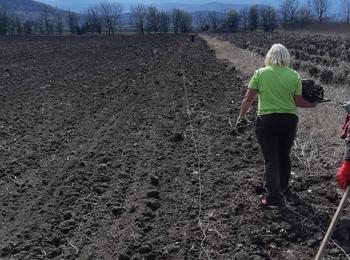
{"x": 80, "y": 5}
{"x": 28, "y": 8}
{"x": 190, "y": 6}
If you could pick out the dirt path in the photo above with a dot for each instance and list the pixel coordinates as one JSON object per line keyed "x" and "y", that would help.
{"x": 245, "y": 61}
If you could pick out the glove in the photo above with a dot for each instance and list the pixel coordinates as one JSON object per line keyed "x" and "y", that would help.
{"x": 311, "y": 91}
{"x": 343, "y": 175}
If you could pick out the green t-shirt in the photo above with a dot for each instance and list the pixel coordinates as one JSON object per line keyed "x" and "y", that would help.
{"x": 276, "y": 88}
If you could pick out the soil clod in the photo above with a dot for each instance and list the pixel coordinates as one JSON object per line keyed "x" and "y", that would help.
{"x": 118, "y": 211}
{"x": 153, "y": 194}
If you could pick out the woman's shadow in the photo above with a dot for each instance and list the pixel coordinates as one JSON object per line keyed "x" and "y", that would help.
{"x": 309, "y": 224}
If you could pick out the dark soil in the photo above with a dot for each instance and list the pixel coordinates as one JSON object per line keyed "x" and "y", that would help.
{"x": 122, "y": 148}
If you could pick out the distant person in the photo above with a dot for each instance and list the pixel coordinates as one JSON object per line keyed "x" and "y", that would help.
{"x": 279, "y": 89}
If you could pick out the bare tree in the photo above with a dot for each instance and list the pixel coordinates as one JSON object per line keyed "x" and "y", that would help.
{"x": 11, "y": 30}
{"x": 93, "y": 21}
{"x": 110, "y": 14}
{"x": 153, "y": 19}
{"x": 244, "y": 17}
{"x": 304, "y": 14}
{"x": 47, "y": 21}
{"x": 73, "y": 22}
{"x": 321, "y": 8}
{"x": 186, "y": 22}
{"x": 4, "y": 20}
{"x": 288, "y": 12}
{"x": 176, "y": 17}
{"x": 59, "y": 22}
{"x": 38, "y": 27}
{"x": 182, "y": 21}
{"x": 28, "y": 27}
{"x": 222, "y": 16}
{"x": 18, "y": 25}
{"x": 138, "y": 17}
{"x": 253, "y": 16}
{"x": 269, "y": 18}
{"x": 214, "y": 20}
{"x": 346, "y": 10}
{"x": 232, "y": 21}
{"x": 201, "y": 21}
{"x": 164, "y": 21}
{"x": 11, "y": 25}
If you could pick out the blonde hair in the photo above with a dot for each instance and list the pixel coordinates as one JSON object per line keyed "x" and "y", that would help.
{"x": 278, "y": 55}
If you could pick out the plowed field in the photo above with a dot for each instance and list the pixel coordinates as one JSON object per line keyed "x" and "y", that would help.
{"x": 122, "y": 148}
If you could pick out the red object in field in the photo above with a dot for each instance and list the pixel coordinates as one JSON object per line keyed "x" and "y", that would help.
{"x": 343, "y": 175}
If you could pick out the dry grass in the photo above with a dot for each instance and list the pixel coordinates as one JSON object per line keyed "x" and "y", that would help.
{"x": 319, "y": 130}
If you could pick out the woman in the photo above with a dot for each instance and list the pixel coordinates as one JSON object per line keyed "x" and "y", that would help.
{"x": 279, "y": 89}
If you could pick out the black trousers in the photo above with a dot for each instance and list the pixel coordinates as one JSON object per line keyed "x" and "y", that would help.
{"x": 276, "y": 134}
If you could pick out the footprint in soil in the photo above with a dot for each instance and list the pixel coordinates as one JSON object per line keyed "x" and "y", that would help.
{"x": 153, "y": 204}
{"x": 177, "y": 137}
{"x": 153, "y": 194}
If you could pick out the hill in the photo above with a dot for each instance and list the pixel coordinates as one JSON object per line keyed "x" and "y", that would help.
{"x": 28, "y": 8}
{"x": 193, "y": 6}
{"x": 190, "y": 6}
{"x": 212, "y": 6}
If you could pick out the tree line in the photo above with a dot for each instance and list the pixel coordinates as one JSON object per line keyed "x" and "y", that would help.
{"x": 106, "y": 18}
{"x": 290, "y": 14}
